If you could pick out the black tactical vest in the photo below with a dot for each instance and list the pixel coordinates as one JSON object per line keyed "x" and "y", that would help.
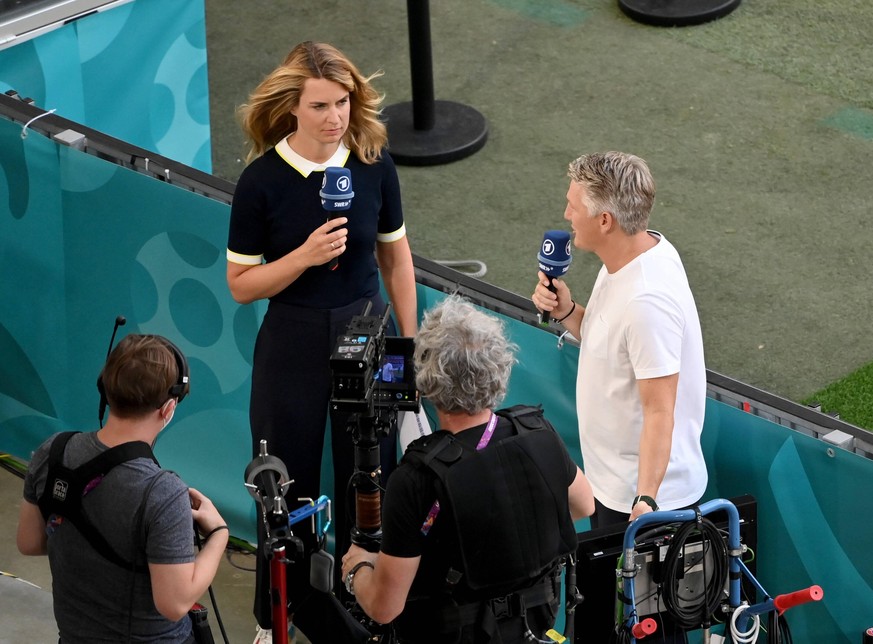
{"x": 508, "y": 501}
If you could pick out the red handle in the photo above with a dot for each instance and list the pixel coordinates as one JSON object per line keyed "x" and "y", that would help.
{"x": 811, "y": 594}
{"x": 644, "y": 628}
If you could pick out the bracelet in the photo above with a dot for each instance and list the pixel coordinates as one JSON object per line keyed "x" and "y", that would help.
{"x": 572, "y": 308}
{"x": 214, "y": 530}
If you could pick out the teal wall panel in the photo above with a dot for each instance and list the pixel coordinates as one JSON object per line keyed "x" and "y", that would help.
{"x": 137, "y": 72}
{"x": 86, "y": 241}
{"x": 812, "y": 508}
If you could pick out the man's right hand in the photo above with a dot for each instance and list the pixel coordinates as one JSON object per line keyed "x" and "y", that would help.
{"x": 556, "y": 302}
{"x": 205, "y": 513}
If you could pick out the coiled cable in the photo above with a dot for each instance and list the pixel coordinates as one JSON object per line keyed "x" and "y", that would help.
{"x": 691, "y": 612}
{"x": 749, "y": 636}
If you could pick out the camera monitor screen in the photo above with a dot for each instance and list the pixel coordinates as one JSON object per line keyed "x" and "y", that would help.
{"x": 395, "y": 378}
{"x": 392, "y": 369}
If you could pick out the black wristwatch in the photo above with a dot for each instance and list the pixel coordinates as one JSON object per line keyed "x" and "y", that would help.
{"x": 645, "y": 499}
{"x": 350, "y": 577}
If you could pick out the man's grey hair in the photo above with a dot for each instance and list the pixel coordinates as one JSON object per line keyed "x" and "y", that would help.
{"x": 462, "y": 356}
{"x": 617, "y": 183}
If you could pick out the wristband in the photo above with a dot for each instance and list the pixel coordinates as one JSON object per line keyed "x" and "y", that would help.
{"x": 645, "y": 499}
{"x": 572, "y": 308}
{"x": 214, "y": 530}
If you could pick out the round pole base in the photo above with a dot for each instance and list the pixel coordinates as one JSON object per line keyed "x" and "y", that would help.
{"x": 458, "y": 132}
{"x": 676, "y": 13}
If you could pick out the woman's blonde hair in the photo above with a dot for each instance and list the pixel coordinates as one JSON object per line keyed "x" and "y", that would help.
{"x": 267, "y": 116}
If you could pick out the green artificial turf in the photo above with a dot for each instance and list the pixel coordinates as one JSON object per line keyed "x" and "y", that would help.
{"x": 758, "y": 128}
{"x": 851, "y": 398}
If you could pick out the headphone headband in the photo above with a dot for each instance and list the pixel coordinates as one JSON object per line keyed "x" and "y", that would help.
{"x": 178, "y": 391}
{"x": 182, "y": 386}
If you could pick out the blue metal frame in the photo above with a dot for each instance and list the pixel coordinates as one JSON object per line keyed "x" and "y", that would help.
{"x": 629, "y": 570}
{"x": 737, "y": 569}
{"x": 312, "y": 508}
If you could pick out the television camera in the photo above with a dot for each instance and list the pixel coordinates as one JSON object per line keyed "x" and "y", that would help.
{"x": 372, "y": 371}
{"x": 373, "y": 378}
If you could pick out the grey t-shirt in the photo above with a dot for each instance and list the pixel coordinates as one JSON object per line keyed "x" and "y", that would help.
{"x": 92, "y": 596}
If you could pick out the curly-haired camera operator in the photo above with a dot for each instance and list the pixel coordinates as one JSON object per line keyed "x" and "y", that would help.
{"x": 479, "y": 515}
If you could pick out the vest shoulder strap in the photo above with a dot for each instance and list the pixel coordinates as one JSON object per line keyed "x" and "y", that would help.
{"x": 442, "y": 447}
{"x": 440, "y": 450}
{"x": 437, "y": 451}
{"x": 65, "y": 487}
{"x": 59, "y": 445}
{"x": 526, "y": 417}
{"x": 105, "y": 461}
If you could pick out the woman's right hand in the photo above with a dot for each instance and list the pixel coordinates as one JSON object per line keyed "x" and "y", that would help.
{"x": 250, "y": 282}
{"x": 326, "y": 242}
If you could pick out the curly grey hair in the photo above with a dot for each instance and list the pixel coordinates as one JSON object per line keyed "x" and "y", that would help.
{"x": 463, "y": 358}
{"x": 617, "y": 183}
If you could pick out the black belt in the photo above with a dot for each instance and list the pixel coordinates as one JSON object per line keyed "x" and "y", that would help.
{"x": 514, "y": 604}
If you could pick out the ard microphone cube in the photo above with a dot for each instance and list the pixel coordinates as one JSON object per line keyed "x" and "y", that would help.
{"x": 554, "y": 257}
{"x": 336, "y": 189}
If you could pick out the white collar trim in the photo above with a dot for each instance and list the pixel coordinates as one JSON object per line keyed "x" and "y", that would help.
{"x": 305, "y": 166}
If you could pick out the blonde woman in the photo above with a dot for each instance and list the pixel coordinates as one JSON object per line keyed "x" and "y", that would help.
{"x": 316, "y": 110}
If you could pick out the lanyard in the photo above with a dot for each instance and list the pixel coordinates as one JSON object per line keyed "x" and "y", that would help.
{"x": 483, "y": 441}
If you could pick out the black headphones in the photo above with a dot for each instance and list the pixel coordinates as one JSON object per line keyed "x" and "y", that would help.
{"x": 178, "y": 390}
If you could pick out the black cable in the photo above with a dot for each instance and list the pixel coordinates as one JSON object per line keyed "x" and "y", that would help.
{"x": 620, "y": 635}
{"x": 234, "y": 549}
{"x": 651, "y": 534}
{"x": 689, "y": 613}
{"x": 778, "y": 626}
{"x": 692, "y": 613}
{"x": 218, "y": 619}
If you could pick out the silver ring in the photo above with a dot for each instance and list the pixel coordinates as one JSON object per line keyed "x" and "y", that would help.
{"x": 332, "y": 247}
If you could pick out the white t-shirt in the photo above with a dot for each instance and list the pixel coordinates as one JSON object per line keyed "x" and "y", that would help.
{"x": 640, "y": 322}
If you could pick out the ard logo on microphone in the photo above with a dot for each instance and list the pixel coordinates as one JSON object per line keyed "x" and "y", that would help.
{"x": 554, "y": 256}
{"x": 336, "y": 189}
{"x": 549, "y": 248}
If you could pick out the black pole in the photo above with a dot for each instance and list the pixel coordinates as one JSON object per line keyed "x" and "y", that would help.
{"x": 426, "y": 131}
{"x": 421, "y": 64}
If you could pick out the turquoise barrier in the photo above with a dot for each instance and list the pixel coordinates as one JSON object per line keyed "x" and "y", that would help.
{"x": 136, "y": 72}
{"x": 83, "y": 240}
{"x": 813, "y": 510}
